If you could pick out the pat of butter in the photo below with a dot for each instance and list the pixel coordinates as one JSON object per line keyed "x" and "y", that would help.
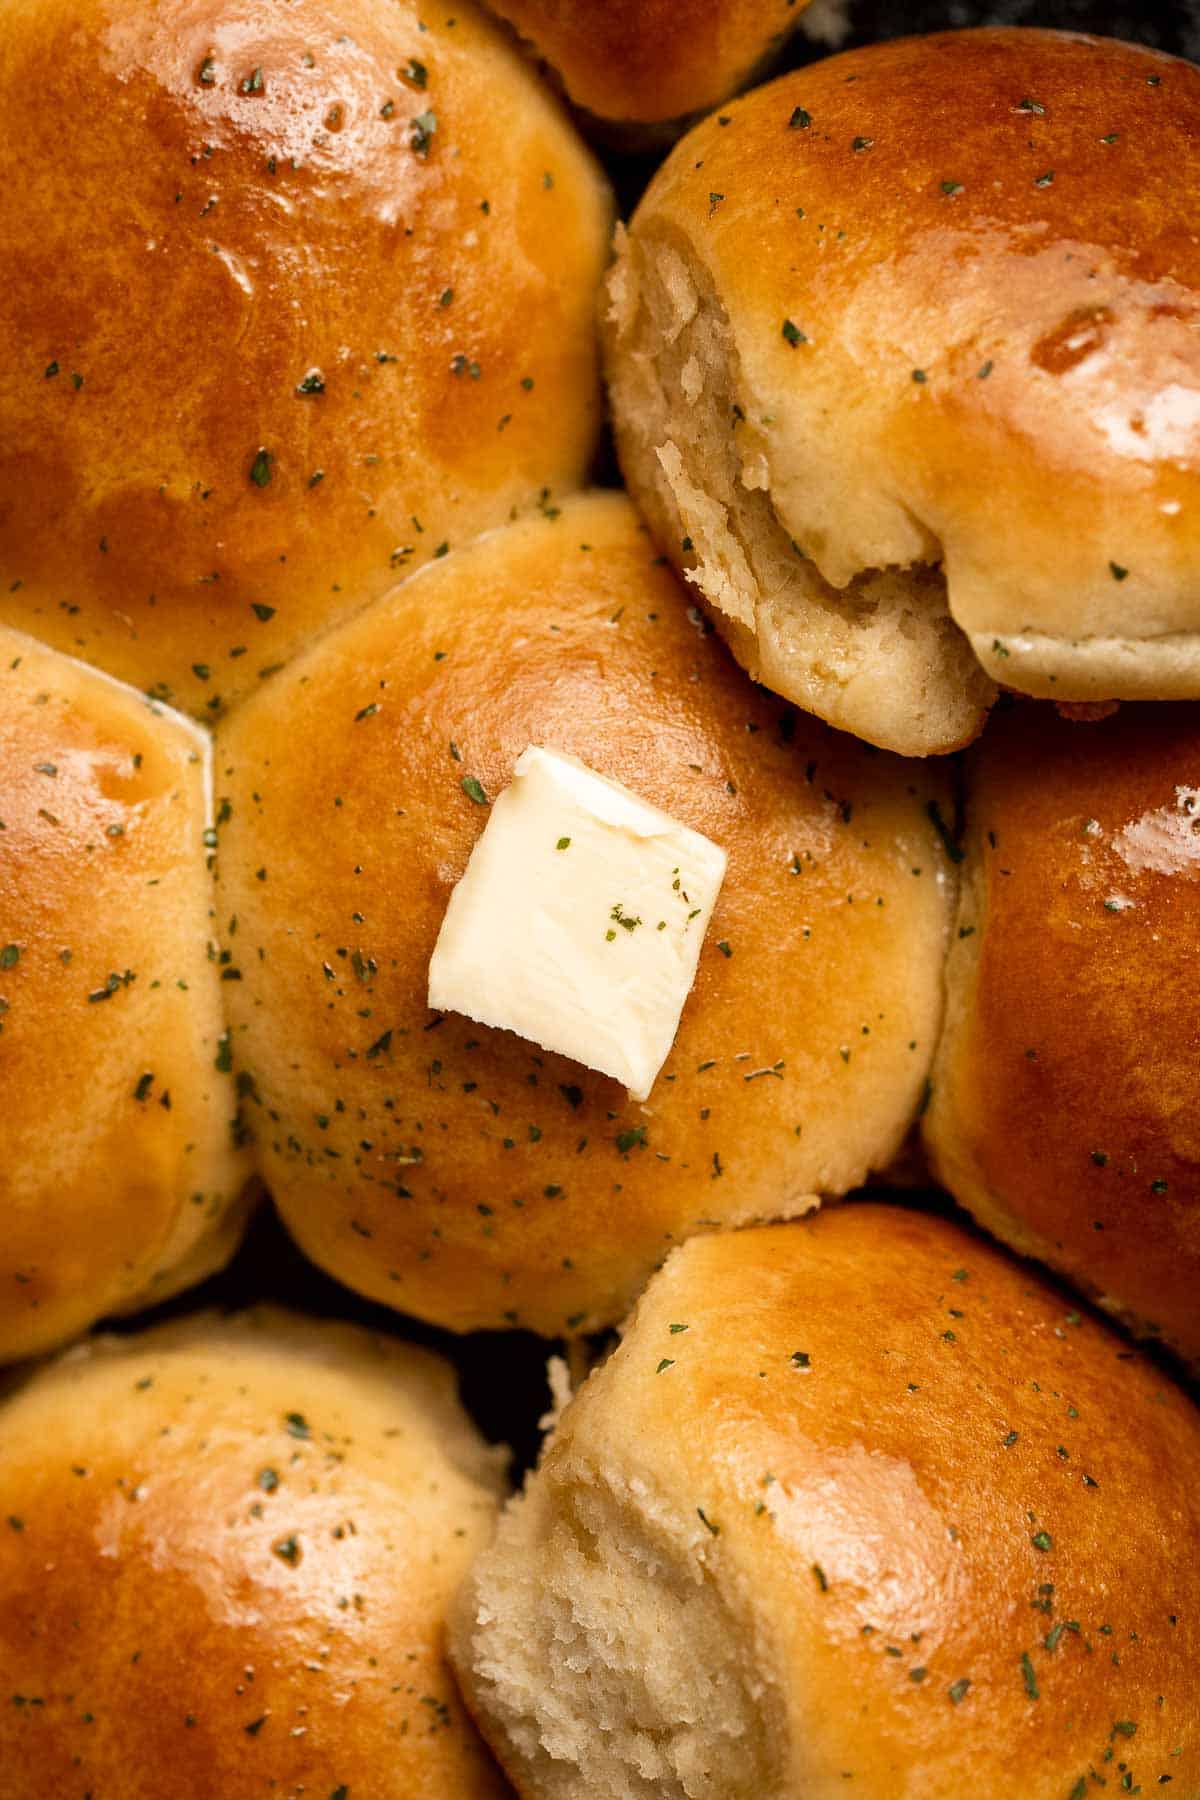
{"x": 578, "y": 920}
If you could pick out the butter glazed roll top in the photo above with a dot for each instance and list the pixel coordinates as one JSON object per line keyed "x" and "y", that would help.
{"x": 859, "y": 1505}
{"x": 1063, "y": 1109}
{"x": 228, "y": 1550}
{"x": 120, "y": 1152}
{"x": 296, "y": 294}
{"x": 455, "y": 1170}
{"x": 903, "y": 371}
{"x": 649, "y": 62}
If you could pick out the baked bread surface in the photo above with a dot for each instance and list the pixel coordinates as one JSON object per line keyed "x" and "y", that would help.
{"x": 456, "y": 1171}
{"x": 121, "y": 1162}
{"x": 862, "y": 1505}
{"x": 901, "y": 351}
{"x": 228, "y": 1552}
{"x": 1063, "y": 1102}
{"x": 296, "y": 294}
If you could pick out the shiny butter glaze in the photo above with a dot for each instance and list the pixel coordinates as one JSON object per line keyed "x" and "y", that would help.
{"x": 226, "y": 1550}
{"x": 1064, "y": 1109}
{"x": 456, "y": 1171}
{"x": 953, "y": 1520}
{"x": 294, "y": 296}
{"x": 961, "y": 272}
{"x": 635, "y": 62}
{"x": 121, "y": 1162}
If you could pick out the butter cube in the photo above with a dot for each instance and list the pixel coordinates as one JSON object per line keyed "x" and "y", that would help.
{"x": 578, "y": 920}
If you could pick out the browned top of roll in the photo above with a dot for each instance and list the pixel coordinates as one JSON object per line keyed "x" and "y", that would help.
{"x": 120, "y": 1167}
{"x": 962, "y": 276}
{"x": 458, "y": 1171}
{"x": 952, "y": 1522}
{"x": 1064, "y": 1101}
{"x": 651, "y": 61}
{"x": 294, "y": 294}
{"x": 226, "y": 1552}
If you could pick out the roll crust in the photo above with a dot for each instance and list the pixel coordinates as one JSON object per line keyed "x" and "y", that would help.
{"x": 858, "y": 1504}
{"x": 929, "y": 303}
{"x": 647, "y": 62}
{"x": 229, "y": 1549}
{"x": 292, "y": 311}
{"x": 1063, "y": 1109}
{"x": 121, "y": 1165}
{"x": 458, "y": 1172}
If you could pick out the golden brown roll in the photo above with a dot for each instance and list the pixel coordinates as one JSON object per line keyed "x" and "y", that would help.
{"x": 904, "y": 376}
{"x": 456, "y": 1171}
{"x": 858, "y": 1506}
{"x": 228, "y": 1552}
{"x": 638, "y": 62}
{"x": 120, "y": 1159}
{"x": 1064, "y": 1099}
{"x": 296, "y": 294}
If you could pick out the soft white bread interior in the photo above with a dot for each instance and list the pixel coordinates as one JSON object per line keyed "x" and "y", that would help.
{"x": 902, "y": 375}
{"x": 858, "y": 1505}
{"x": 879, "y": 654}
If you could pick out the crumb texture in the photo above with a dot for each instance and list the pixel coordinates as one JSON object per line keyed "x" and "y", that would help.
{"x": 880, "y": 656}
{"x": 606, "y": 1657}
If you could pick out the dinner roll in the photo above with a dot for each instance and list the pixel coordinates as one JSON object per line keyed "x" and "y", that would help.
{"x": 120, "y": 1158}
{"x": 296, "y": 294}
{"x": 859, "y": 1506}
{"x": 1063, "y": 1107}
{"x": 904, "y": 376}
{"x": 454, "y": 1170}
{"x": 229, "y": 1550}
{"x": 639, "y": 62}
